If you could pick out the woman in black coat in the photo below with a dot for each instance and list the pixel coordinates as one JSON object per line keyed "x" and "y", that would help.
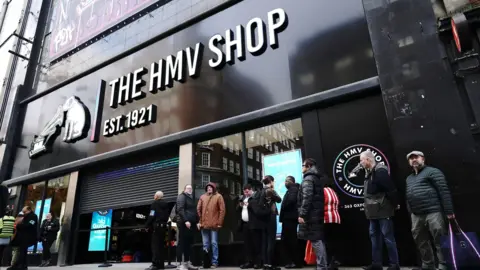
{"x": 311, "y": 210}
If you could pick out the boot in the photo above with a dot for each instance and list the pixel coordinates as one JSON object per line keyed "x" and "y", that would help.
{"x": 246, "y": 265}
{"x": 393, "y": 267}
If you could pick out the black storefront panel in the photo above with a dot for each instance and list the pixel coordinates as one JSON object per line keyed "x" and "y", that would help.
{"x": 346, "y": 130}
{"x": 294, "y": 64}
{"x": 130, "y": 186}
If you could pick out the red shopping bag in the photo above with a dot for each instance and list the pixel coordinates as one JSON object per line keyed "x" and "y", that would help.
{"x": 310, "y": 257}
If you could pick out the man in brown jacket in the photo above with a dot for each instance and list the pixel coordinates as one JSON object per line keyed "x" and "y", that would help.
{"x": 211, "y": 212}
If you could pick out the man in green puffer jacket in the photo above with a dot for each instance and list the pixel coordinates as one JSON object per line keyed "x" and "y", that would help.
{"x": 429, "y": 202}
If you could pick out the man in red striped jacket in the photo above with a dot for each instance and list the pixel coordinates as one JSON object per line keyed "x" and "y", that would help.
{"x": 332, "y": 222}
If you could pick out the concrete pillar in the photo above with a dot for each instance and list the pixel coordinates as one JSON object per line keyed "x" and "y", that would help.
{"x": 67, "y": 226}
{"x": 185, "y": 167}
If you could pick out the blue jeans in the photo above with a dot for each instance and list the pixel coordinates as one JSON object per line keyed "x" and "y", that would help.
{"x": 382, "y": 230}
{"x": 211, "y": 236}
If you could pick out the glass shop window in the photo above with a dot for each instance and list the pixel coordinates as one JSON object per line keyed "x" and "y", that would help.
{"x": 271, "y": 149}
{"x": 226, "y": 180}
{"x": 54, "y": 203}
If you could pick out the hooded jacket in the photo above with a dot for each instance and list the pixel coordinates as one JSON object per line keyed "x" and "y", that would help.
{"x": 211, "y": 209}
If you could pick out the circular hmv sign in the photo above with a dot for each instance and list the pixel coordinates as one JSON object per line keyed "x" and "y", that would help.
{"x": 345, "y": 170}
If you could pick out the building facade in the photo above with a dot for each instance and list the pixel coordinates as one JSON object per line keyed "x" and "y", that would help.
{"x": 130, "y": 97}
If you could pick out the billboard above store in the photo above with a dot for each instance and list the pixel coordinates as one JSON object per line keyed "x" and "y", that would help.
{"x": 254, "y": 55}
{"x": 78, "y": 23}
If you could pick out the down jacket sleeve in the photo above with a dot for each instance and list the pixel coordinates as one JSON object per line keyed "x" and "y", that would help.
{"x": 438, "y": 181}
{"x": 306, "y": 197}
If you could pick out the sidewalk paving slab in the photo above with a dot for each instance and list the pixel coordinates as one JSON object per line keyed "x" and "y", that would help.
{"x": 142, "y": 266}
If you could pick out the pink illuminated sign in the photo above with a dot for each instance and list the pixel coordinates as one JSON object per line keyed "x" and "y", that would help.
{"x": 78, "y": 21}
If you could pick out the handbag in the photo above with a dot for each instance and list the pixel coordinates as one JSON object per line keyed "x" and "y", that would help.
{"x": 310, "y": 257}
{"x": 173, "y": 214}
{"x": 460, "y": 249}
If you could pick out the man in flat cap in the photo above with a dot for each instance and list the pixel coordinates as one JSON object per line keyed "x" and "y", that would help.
{"x": 429, "y": 203}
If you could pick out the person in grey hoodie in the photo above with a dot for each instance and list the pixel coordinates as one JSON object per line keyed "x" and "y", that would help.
{"x": 428, "y": 202}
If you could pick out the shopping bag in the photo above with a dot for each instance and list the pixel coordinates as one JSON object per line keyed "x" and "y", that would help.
{"x": 310, "y": 258}
{"x": 460, "y": 249}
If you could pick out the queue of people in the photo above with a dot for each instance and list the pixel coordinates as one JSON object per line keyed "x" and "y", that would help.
{"x": 309, "y": 211}
{"x": 21, "y": 232}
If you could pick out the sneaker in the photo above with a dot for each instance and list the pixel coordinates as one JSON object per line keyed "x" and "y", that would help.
{"x": 182, "y": 266}
{"x": 190, "y": 266}
{"x": 214, "y": 266}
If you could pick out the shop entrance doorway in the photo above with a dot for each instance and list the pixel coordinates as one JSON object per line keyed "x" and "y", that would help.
{"x": 346, "y": 130}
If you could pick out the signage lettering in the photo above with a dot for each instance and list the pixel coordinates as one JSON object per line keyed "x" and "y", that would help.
{"x": 255, "y": 38}
{"x": 350, "y": 183}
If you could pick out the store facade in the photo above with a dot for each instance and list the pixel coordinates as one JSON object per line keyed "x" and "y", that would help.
{"x": 223, "y": 97}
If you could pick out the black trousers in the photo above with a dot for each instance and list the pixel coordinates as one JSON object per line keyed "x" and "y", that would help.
{"x": 2, "y": 251}
{"x": 186, "y": 242}
{"x": 22, "y": 257}
{"x": 290, "y": 241}
{"x": 252, "y": 240}
{"x": 257, "y": 245}
{"x": 158, "y": 246}
{"x": 47, "y": 245}
{"x": 333, "y": 232}
{"x": 268, "y": 240}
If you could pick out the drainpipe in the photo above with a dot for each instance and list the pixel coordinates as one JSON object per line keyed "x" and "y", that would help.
{"x": 3, "y": 14}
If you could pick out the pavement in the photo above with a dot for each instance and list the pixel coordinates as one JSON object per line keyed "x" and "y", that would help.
{"x": 142, "y": 266}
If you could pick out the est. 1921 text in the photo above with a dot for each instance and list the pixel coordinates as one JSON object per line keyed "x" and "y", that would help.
{"x": 136, "y": 118}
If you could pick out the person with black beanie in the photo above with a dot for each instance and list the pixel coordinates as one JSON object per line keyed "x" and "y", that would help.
{"x": 289, "y": 220}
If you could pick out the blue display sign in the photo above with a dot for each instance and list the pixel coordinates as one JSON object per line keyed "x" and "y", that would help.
{"x": 100, "y": 219}
{"x": 46, "y": 210}
{"x": 280, "y": 166}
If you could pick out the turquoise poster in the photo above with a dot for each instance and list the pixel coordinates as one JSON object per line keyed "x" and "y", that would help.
{"x": 280, "y": 166}
{"x": 100, "y": 219}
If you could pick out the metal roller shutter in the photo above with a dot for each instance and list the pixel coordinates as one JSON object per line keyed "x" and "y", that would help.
{"x": 130, "y": 186}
